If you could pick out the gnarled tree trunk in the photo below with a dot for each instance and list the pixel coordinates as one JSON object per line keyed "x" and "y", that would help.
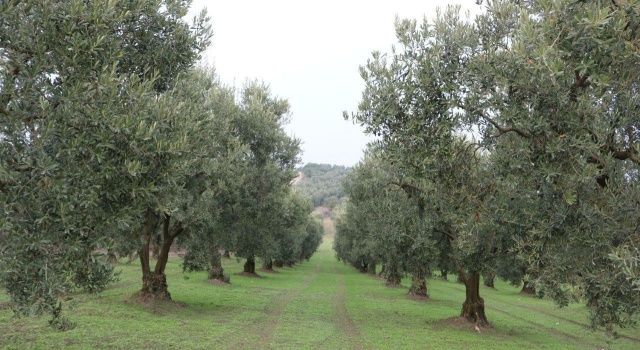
{"x": 250, "y": 265}
{"x": 154, "y": 287}
{"x": 154, "y": 283}
{"x": 489, "y": 279}
{"x": 216, "y": 272}
{"x": 227, "y": 254}
{"x": 460, "y": 278}
{"x": 418, "y": 285}
{"x": 473, "y": 306}
{"x": 371, "y": 268}
{"x": 362, "y": 267}
{"x": 392, "y": 275}
{"x": 267, "y": 265}
{"x": 444, "y": 274}
{"x": 278, "y": 263}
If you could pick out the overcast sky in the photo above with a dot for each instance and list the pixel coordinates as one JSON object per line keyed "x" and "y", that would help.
{"x": 309, "y": 53}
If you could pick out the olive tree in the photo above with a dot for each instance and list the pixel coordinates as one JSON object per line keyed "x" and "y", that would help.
{"x": 546, "y": 92}
{"x": 409, "y": 102}
{"x": 388, "y": 222}
{"x": 553, "y": 90}
{"x": 78, "y": 81}
{"x": 268, "y": 169}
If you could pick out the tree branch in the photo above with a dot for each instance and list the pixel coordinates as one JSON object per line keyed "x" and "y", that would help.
{"x": 627, "y": 154}
{"x": 504, "y": 129}
{"x": 409, "y": 189}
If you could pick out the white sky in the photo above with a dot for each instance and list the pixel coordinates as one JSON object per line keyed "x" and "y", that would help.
{"x": 309, "y": 52}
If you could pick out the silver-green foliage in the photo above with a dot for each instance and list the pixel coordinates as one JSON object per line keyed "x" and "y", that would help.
{"x": 79, "y": 104}
{"x": 548, "y": 93}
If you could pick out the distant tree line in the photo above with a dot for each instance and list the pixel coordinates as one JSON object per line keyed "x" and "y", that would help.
{"x": 508, "y": 145}
{"x": 323, "y": 184}
{"x": 113, "y": 144}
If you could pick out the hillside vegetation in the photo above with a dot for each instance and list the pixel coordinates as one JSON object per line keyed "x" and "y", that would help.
{"x": 322, "y": 183}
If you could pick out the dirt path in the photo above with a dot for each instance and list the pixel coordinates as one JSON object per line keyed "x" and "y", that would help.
{"x": 329, "y": 228}
{"x": 343, "y": 320}
{"x": 269, "y": 324}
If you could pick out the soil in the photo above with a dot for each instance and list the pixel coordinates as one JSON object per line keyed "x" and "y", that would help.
{"x": 217, "y": 282}
{"x": 158, "y": 306}
{"x": 343, "y": 318}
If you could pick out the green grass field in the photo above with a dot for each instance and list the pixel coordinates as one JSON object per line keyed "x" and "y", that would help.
{"x": 319, "y": 304}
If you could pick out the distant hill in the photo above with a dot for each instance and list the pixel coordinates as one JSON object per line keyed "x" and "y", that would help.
{"x": 322, "y": 183}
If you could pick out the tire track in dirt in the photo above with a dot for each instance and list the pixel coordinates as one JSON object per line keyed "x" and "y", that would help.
{"x": 274, "y": 311}
{"x": 343, "y": 320}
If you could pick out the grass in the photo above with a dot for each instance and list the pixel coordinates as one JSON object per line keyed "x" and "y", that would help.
{"x": 318, "y": 304}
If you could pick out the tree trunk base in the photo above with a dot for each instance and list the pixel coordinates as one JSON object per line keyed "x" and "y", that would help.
{"x": 217, "y": 273}
{"x": 268, "y": 269}
{"x": 444, "y": 274}
{"x": 278, "y": 263}
{"x": 473, "y": 306}
{"x": 474, "y": 313}
{"x": 154, "y": 288}
{"x": 528, "y": 289}
{"x": 250, "y": 266}
{"x": 418, "y": 288}
{"x": 217, "y": 276}
{"x": 267, "y": 266}
{"x": 361, "y": 266}
{"x": 392, "y": 281}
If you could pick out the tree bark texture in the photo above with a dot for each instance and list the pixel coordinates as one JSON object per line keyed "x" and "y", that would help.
{"x": 418, "y": 285}
{"x": 371, "y": 268}
{"x": 489, "y": 279}
{"x": 154, "y": 283}
{"x": 473, "y": 306}
{"x": 392, "y": 275}
{"x": 216, "y": 272}
{"x": 250, "y": 265}
{"x": 460, "y": 278}
{"x": 267, "y": 265}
